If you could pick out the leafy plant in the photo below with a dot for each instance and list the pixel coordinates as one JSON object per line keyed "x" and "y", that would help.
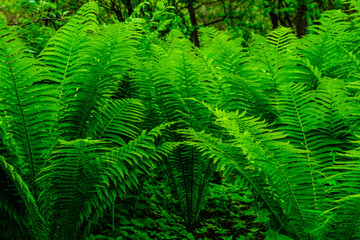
{"x": 291, "y": 160}
{"x": 69, "y": 146}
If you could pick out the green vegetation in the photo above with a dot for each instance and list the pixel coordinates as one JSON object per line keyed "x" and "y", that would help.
{"x": 147, "y": 126}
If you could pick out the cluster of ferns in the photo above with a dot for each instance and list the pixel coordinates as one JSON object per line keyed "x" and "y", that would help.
{"x": 100, "y": 106}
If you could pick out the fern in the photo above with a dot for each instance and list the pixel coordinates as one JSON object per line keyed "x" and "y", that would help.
{"x": 168, "y": 83}
{"x": 301, "y": 176}
{"x": 26, "y": 121}
{"x": 272, "y": 163}
{"x": 72, "y": 190}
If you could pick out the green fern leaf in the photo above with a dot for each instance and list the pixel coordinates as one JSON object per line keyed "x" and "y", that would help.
{"x": 27, "y": 105}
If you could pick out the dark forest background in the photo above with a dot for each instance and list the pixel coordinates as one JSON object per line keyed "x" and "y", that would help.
{"x": 37, "y": 20}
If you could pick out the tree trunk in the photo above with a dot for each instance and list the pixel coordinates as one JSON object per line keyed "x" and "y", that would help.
{"x": 301, "y": 22}
{"x": 194, "y": 36}
{"x": 129, "y": 7}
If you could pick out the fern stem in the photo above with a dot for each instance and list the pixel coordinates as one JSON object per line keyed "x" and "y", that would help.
{"x": 191, "y": 220}
{"x": 24, "y": 125}
{"x": 307, "y": 149}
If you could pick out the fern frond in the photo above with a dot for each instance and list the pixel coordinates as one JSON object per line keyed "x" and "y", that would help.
{"x": 322, "y": 49}
{"x": 62, "y": 54}
{"x": 282, "y": 38}
{"x": 160, "y": 98}
{"x": 277, "y": 61}
{"x": 270, "y": 154}
{"x": 263, "y": 66}
{"x": 315, "y": 122}
{"x": 331, "y": 108}
{"x": 116, "y": 121}
{"x": 228, "y": 63}
{"x": 27, "y": 105}
{"x": 172, "y": 79}
{"x": 228, "y": 158}
{"x": 87, "y": 92}
{"x": 310, "y": 121}
{"x": 19, "y": 203}
{"x": 343, "y": 214}
{"x": 68, "y": 183}
{"x": 122, "y": 168}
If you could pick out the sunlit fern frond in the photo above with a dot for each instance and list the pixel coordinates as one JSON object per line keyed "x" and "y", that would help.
{"x": 268, "y": 151}
{"x": 265, "y": 160}
{"x": 62, "y": 54}
{"x": 282, "y": 38}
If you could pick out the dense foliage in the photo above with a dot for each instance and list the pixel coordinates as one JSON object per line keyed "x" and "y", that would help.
{"x": 89, "y": 122}
{"x": 36, "y": 21}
